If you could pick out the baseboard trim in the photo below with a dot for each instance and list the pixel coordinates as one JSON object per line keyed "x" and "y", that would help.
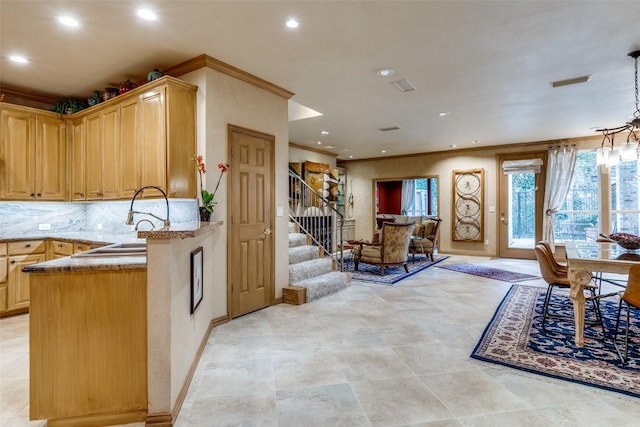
{"x": 165, "y": 419}
{"x": 99, "y": 420}
{"x": 161, "y": 419}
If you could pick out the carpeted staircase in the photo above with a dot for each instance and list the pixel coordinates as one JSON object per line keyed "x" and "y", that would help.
{"x": 308, "y": 270}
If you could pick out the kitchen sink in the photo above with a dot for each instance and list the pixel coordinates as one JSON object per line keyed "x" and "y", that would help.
{"x": 117, "y": 249}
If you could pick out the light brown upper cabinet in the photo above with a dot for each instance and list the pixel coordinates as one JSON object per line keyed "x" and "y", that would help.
{"x": 144, "y": 137}
{"x": 33, "y": 154}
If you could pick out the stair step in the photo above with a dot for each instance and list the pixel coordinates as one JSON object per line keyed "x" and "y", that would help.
{"x": 324, "y": 284}
{"x": 297, "y": 239}
{"x": 303, "y": 253}
{"x": 308, "y": 269}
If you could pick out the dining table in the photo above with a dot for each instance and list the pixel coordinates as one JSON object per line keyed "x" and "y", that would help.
{"x": 585, "y": 258}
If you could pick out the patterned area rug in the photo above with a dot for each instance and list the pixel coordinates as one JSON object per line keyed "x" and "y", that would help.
{"x": 515, "y": 338}
{"x": 371, "y": 273}
{"x": 491, "y": 273}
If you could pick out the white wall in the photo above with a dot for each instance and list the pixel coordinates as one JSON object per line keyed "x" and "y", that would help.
{"x": 362, "y": 174}
{"x": 300, "y": 155}
{"x": 225, "y": 100}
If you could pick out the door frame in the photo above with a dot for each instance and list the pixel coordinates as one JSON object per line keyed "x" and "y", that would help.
{"x": 503, "y": 245}
{"x": 231, "y": 129}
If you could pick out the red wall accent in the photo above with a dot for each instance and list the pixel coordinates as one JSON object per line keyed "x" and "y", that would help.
{"x": 389, "y": 197}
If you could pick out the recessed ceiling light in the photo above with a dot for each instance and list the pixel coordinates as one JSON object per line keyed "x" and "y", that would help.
{"x": 147, "y": 15}
{"x": 383, "y": 151}
{"x": 319, "y": 142}
{"x": 324, "y": 132}
{"x": 292, "y": 23}
{"x": 351, "y": 157}
{"x": 475, "y": 141}
{"x": 330, "y": 146}
{"x": 68, "y": 21}
{"x": 443, "y": 113}
{"x": 384, "y": 72}
{"x": 19, "y": 59}
{"x": 453, "y": 146}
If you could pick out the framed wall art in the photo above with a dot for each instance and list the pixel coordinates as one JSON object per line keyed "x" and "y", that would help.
{"x": 196, "y": 279}
{"x": 468, "y": 201}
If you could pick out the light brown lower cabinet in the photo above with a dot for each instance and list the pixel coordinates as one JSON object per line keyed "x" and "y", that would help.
{"x": 19, "y": 255}
{"x": 88, "y": 347}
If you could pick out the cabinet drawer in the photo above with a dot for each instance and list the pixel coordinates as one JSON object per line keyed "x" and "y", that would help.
{"x": 3, "y": 298}
{"x": 62, "y": 248}
{"x": 26, "y": 247}
{"x": 81, "y": 247}
{"x": 3, "y": 249}
{"x": 3, "y": 270}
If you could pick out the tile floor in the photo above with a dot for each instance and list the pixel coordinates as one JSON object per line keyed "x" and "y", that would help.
{"x": 371, "y": 355}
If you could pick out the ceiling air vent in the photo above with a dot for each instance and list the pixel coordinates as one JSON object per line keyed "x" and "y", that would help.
{"x": 403, "y": 85}
{"x": 389, "y": 128}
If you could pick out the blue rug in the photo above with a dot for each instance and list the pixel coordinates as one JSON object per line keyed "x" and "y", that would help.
{"x": 371, "y": 273}
{"x": 490, "y": 272}
{"x": 515, "y": 338}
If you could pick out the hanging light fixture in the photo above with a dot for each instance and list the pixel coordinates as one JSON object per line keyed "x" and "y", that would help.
{"x": 606, "y": 154}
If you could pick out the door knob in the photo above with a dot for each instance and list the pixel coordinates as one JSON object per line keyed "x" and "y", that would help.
{"x": 267, "y": 232}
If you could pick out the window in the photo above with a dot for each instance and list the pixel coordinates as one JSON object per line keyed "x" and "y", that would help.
{"x": 579, "y": 217}
{"x": 425, "y": 200}
{"x": 625, "y": 208}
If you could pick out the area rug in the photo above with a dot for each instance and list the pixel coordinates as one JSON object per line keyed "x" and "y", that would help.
{"x": 491, "y": 273}
{"x": 515, "y": 338}
{"x": 371, "y": 273}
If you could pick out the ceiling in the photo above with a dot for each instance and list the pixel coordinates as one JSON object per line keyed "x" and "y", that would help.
{"x": 488, "y": 64}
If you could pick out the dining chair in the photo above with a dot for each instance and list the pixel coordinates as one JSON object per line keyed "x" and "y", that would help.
{"x": 559, "y": 279}
{"x": 631, "y": 300}
{"x": 557, "y": 266}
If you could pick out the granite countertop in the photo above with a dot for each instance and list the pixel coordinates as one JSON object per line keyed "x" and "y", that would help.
{"x": 88, "y": 264}
{"x": 182, "y": 231}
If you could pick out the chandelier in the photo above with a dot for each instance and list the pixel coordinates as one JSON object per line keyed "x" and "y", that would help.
{"x": 606, "y": 154}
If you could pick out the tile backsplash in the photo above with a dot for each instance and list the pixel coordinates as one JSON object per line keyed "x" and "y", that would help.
{"x": 29, "y": 217}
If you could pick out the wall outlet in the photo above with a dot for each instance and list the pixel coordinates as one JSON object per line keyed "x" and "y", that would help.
{"x": 486, "y": 242}
{"x": 279, "y": 211}
{"x": 44, "y": 226}
{"x": 98, "y": 226}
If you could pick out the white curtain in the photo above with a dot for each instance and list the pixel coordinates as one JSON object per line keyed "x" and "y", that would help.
{"x": 560, "y": 165}
{"x": 408, "y": 195}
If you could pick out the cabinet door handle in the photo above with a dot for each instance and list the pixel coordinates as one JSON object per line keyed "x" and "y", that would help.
{"x": 33, "y": 195}
{"x": 28, "y": 245}
{"x": 39, "y": 194}
{"x": 13, "y": 261}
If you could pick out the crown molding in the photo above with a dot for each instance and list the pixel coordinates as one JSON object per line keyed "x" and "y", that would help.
{"x": 315, "y": 150}
{"x": 215, "y": 64}
{"x": 532, "y": 144}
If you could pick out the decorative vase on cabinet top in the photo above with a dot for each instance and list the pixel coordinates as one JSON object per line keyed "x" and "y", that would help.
{"x": 110, "y": 92}
{"x": 127, "y": 86}
{"x": 95, "y": 98}
{"x": 154, "y": 75}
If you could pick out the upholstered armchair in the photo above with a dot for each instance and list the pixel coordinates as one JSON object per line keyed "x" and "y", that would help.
{"x": 425, "y": 238}
{"x": 392, "y": 248}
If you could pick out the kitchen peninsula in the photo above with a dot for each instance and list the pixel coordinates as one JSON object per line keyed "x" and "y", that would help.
{"x": 112, "y": 339}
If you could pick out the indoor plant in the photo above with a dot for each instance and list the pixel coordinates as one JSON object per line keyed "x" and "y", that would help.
{"x": 208, "y": 202}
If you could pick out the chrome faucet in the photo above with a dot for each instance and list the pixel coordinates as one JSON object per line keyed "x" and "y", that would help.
{"x": 144, "y": 220}
{"x": 131, "y": 211}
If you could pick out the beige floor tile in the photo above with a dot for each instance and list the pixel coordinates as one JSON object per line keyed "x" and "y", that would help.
{"x": 523, "y": 418}
{"x": 371, "y": 364}
{"x": 332, "y": 405}
{"x": 472, "y": 392}
{"x": 398, "y": 401}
